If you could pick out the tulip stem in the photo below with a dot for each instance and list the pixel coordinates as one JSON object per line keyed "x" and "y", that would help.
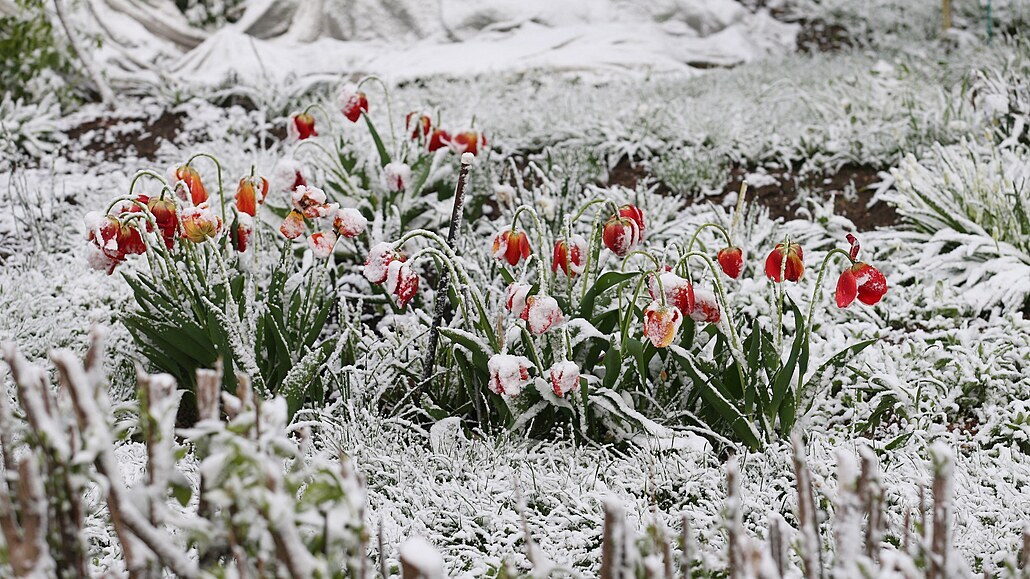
{"x": 541, "y": 271}
{"x": 389, "y": 110}
{"x": 654, "y": 260}
{"x": 151, "y": 174}
{"x": 690, "y": 246}
{"x": 811, "y": 306}
{"x": 779, "y": 295}
{"x": 221, "y": 190}
{"x": 734, "y": 339}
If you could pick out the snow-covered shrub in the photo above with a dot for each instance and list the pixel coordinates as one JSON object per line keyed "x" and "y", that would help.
{"x": 27, "y": 130}
{"x": 34, "y": 58}
{"x": 245, "y": 496}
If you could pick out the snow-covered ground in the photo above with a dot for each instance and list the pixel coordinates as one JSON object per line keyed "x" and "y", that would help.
{"x": 952, "y": 363}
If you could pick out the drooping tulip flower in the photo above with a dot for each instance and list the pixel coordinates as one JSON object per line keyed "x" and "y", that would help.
{"x": 293, "y": 226}
{"x": 508, "y": 374}
{"x": 322, "y": 243}
{"x": 396, "y": 176}
{"x": 795, "y": 267}
{"x": 678, "y": 291}
{"x": 620, "y": 234}
{"x": 167, "y": 218}
{"x": 417, "y": 125}
{"x": 570, "y": 256}
{"x": 516, "y": 299}
{"x": 661, "y": 324}
{"x": 863, "y": 281}
{"x": 633, "y": 212}
{"x": 353, "y": 102}
{"x": 564, "y": 377}
{"x": 311, "y": 201}
{"x": 114, "y": 238}
{"x": 377, "y": 264}
{"x": 541, "y": 313}
{"x": 731, "y": 260}
{"x": 706, "y": 307}
{"x": 511, "y": 246}
{"x": 438, "y": 140}
{"x": 349, "y": 222}
{"x": 190, "y": 176}
{"x": 200, "y": 223}
{"x": 250, "y": 193}
{"x": 301, "y": 126}
{"x": 401, "y": 281}
{"x": 242, "y": 232}
{"x": 467, "y": 142}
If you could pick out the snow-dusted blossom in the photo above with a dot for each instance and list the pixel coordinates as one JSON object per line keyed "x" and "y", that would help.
{"x": 417, "y": 124}
{"x": 377, "y": 264}
{"x": 113, "y": 239}
{"x": 515, "y": 301}
{"x": 511, "y": 246}
{"x": 288, "y": 175}
{"x": 349, "y": 222}
{"x": 570, "y": 256}
{"x": 623, "y": 230}
{"x": 706, "y": 307}
{"x": 301, "y": 126}
{"x": 541, "y": 313}
{"x": 861, "y": 280}
{"x": 293, "y": 226}
{"x": 189, "y": 176}
{"x": 322, "y": 243}
{"x": 311, "y": 201}
{"x": 250, "y": 193}
{"x": 401, "y": 281}
{"x": 564, "y": 377}
{"x": 795, "y": 267}
{"x": 438, "y": 140}
{"x": 678, "y": 291}
{"x": 661, "y": 324}
{"x": 396, "y": 176}
{"x": 508, "y": 374}
{"x": 166, "y": 216}
{"x": 546, "y": 206}
{"x": 353, "y": 102}
{"x": 731, "y": 260}
{"x": 200, "y": 223}
{"x": 467, "y": 142}
{"x": 242, "y": 232}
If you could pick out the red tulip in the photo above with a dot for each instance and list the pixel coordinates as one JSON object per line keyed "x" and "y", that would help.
{"x": 511, "y": 246}
{"x": 167, "y": 218}
{"x": 242, "y": 232}
{"x": 620, "y": 233}
{"x": 401, "y": 281}
{"x": 633, "y": 212}
{"x": 113, "y": 240}
{"x": 570, "y": 258}
{"x": 349, "y": 222}
{"x": 250, "y": 193}
{"x": 517, "y": 297}
{"x": 302, "y": 126}
{"x": 377, "y": 264}
{"x": 564, "y": 377}
{"x": 541, "y": 313}
{"x": 353, "y": 102}
{"x": 678, "y": 291}
{"x": 508, "y": 374}
{"x": 862, "y": 281}
{"x": 731, "y": 260}
{"x": 467, "y": 142}
{"x": 191, "y": 178}
{"x": 706, "y": 307}
{"x": 439, "y": 139}
{"x": 293, "y": 225}
{"x": 661, "y": 324}
{"x": 795, "y": 267}
{"x": 417, "y": 125}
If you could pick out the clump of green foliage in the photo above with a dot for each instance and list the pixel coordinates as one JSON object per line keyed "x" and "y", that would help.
{"x": 35, "y": 59}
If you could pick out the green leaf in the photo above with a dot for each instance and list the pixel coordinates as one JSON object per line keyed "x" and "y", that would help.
{"x": 480, "y": 354}
{"x": 602, "y": 284}
{"x": 384, "y": 157}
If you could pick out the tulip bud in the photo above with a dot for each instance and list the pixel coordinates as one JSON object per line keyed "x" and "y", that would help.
{"x": 731, "y": 260}
{"x": 242, "y": 232}
{"x": 541, "y": 313}
{"x": 349, "y": 222}
{"x": 661, "y": 324}
{"x": 633, "y": 212}
{"x": 250, "y": 193}
{"x": 190, "y": 176}
{"x": 417, "y": 125}
{"x": 511, "y": 246}
{"x": 795, "y": 267}
{"x": 301, "y": 126}
{"x": 200, "y": 223}
{"x": 401, "y": 281}
{"x": 396, "y": 176}
{"x": 678, "y": 291}
{"x": 508, "y": 374}
{"x": 863, "y": 281}
{"x": 293, "y": 226}
{"x": 564, "y": 377}
{"x": 167, "y": 218}
{"x": 438, "y": 140}
{"x": 353, "y": 102}
{"x": 517, "y": 295}
{"x": 570, "y": 257}
{"x": 620, "y": 234}
{"x": 377, "y": 264}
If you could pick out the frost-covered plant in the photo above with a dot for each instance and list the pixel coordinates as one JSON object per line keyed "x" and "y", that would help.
{"x": 27, "y": 130}
{"x": 205, "y": 296}
{"x": 34, "y": 58}
{"x": 262, "y": 505}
